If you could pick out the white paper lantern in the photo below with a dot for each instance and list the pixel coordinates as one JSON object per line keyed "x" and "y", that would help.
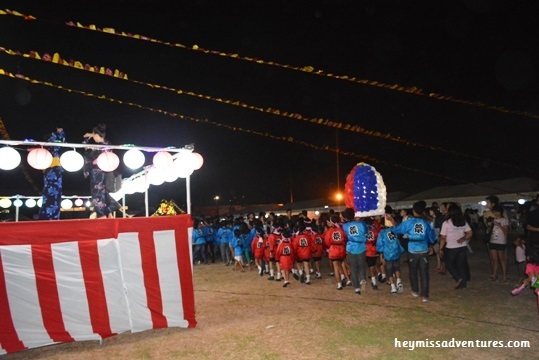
{"x": 108, "y": 161}
{"x": 9, "y": 158}
{"x": 162, "y": 159}
{"x": 66, "y": 204}
{"x": 196, "y": 160}
{"x": 17, "y": 203}
{"x": 182, "y": 165}
{"x": 134, "y": 159}
{"x": 5, "y": 203}
{"x": 79, "y": 202}
{"x": 39, "y": 158}
{"x": 171, "y": 174}
{"x": 71, "y": 161}
{"x": 40, "y": 202}
{"x": 156, "y": 176}
{"x": 30, "y": 203}
{"x": 88, "y": 203}
{"x": 140, "y": 185}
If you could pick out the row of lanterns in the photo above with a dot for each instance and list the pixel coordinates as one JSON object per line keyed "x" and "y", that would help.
{"x": 31, "y": 202}
{"x": 41, "y": 159}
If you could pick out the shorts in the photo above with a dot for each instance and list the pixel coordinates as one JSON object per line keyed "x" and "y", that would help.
{"x": 339, "y": 259}
{"x": 497, "y": 247}
{"x": 315, "y": 259}
{"x": 302, "y": 260}
{"x": 392, "y": 266}
{"x": 238, "y": 258}
{"x": 371, "y": 260}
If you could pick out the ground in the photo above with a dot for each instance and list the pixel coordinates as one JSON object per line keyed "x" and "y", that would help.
{"x": 245, "y": 316}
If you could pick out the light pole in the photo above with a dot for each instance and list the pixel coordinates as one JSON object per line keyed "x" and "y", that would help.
{"x": 216, "y": 198}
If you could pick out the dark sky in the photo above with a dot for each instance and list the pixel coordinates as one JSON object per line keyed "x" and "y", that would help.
{"x": 482, "y": 51}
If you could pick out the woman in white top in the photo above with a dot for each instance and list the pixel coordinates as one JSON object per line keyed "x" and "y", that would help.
{"x": 498, "y": 243}
{"x": 454, "y": 237}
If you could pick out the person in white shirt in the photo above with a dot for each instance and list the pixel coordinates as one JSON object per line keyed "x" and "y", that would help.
{"x": 454, "y": 236}
{"x": 498, "y": 244}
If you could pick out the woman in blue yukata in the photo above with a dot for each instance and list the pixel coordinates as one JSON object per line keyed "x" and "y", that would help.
{"x": 52, "y": 180}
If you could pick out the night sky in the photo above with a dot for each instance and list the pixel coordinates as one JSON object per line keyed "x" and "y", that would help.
{"x": 478, "y": 51}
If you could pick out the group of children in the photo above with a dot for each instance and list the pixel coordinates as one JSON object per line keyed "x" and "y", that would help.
{"x": 296, "y": 246}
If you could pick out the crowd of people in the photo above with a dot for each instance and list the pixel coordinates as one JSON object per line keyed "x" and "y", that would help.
{"x": 362, "y": 251}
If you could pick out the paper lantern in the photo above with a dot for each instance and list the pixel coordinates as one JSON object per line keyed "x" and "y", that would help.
{"x": 66, "y": 204}
{"x": 30, "y": 203}
{"x": 79, "y": 202}
{"x": 39, "y": 202}
{"x": 9, "y": 158}
{"x": 39, "y": 158}
{"x": 156, "y": 176}
{"x": 71, "y": 161}
{"x": 5, "y": 203}
{"x": 162, "y": 159}
{"x": 171, "y": 174}
{"x": 134, "y": 159}
{"x": 183, "y": 166}
{"x": 108, "y": 161}
{"x": 365, "y": 191}
{"x": 17, "y": 203}
{"x": 196, "y": 160}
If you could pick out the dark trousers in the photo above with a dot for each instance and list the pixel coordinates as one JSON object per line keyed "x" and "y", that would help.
{"x": 457, "y": 263}
{"x": 418, "y": 264}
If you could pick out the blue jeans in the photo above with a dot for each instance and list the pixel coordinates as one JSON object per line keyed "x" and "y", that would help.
{"x": 457, "y": 263}
{"x": 358, "y": 266}
{"x": 224, "y": 248}
{"x": 418, "y": 263}
{"x": 200, "y": 250}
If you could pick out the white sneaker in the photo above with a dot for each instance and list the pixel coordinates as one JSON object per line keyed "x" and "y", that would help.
{"x": 425, "y": 299}
{"x": 414, "y": 294}
{"x": 400, "y": 288}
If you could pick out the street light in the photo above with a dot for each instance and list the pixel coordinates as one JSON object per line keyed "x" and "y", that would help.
{"x": 216, "y": 198}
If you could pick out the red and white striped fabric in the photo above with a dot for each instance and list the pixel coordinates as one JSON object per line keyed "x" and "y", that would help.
{"x": 75, "y": 280}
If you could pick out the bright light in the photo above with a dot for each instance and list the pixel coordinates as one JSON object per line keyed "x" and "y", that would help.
{"x": 338, "y": 196}
{"x": 317, "y": 212}
{"x": 71, "y": 161}
{"x": 66, "y": 204}
{"x": 521, "y": 201}
{"x": 134, "y": 159}
{"x": 40, "y": 202}
{"x": 9, "y": 158}
{"x": 216, "y": 197}
{"x": 5, "y": 203}
{"x": 30, "y": 203}
{"x": 88, "y": 203}
{"x": 162, "y": 159}
{"x": 108, "y": 161}
{"x": 39, "y": 158}
{"x": 196, "y": 161}
{"x": 79, "y": 202}
{"x": 17, "y": 203}
{"x": 326, "y": 206}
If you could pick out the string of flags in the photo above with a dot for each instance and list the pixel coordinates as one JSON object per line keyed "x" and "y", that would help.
{"x": 265, "y": 134}
{"x": 306, "y": 68}
{"x": 272, "y": 111}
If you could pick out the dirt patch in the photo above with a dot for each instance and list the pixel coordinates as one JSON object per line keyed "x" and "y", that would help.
{"x": 243, "y": 315}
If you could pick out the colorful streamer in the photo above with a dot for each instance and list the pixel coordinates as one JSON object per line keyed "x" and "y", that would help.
{"x": 291, "y": 115}
{"x": 307, "y": 68}
{"x": 284, "y": 138}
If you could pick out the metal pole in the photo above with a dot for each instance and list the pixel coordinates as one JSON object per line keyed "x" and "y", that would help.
{"x": 188, "y": 193}
{"x": 146, "y": 191}
{"x": 16, "y": 209}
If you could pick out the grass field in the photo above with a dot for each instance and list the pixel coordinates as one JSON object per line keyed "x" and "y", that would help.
{"x": 245, "y": 316}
